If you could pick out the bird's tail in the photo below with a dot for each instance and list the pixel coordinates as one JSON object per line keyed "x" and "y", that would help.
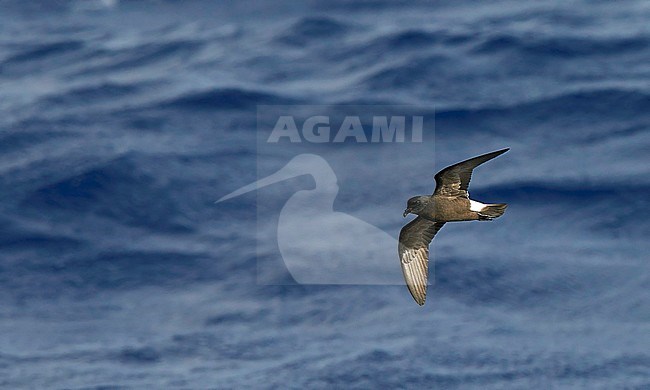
{"x": 491, "y": 211}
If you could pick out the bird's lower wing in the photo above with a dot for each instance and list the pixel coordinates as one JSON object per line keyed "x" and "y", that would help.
{"x": 414, "y": 239}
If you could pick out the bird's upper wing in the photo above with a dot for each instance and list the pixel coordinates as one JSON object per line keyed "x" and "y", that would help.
{"x": 414, "y": 239}
{"x": 454, "y": 180}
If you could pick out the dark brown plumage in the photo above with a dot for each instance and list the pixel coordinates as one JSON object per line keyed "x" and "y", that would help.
{"x": 449, "y": 203}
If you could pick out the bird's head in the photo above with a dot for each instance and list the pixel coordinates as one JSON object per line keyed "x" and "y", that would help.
{"x": 416, "y": 205}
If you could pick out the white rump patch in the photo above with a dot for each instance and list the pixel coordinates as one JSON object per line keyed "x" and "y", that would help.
{"x": 476, "y": 206}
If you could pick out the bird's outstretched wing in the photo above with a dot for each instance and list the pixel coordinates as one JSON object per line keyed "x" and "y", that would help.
{"x": 414, "y": 239}
{"x": 454, "y": 180}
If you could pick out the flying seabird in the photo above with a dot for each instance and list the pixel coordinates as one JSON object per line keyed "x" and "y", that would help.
{"x": 450, "y": 202}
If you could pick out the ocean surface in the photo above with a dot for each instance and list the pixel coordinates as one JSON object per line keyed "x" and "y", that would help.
{"x": 122, "y": 122}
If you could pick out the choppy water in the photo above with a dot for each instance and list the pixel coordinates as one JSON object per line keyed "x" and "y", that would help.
{"x": 123, "y": 122}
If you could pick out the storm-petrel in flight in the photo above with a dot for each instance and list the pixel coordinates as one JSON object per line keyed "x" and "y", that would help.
{"x": 450, "y": 202}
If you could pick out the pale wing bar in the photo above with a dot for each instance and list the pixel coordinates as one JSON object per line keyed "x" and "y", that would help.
{"x": 414, "y": 240}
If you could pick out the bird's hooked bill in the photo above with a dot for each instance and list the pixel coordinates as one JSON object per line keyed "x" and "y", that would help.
{"x": 406, "y": 212}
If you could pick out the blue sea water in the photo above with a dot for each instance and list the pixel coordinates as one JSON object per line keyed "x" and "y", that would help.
{"x": 123, "y": 121}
